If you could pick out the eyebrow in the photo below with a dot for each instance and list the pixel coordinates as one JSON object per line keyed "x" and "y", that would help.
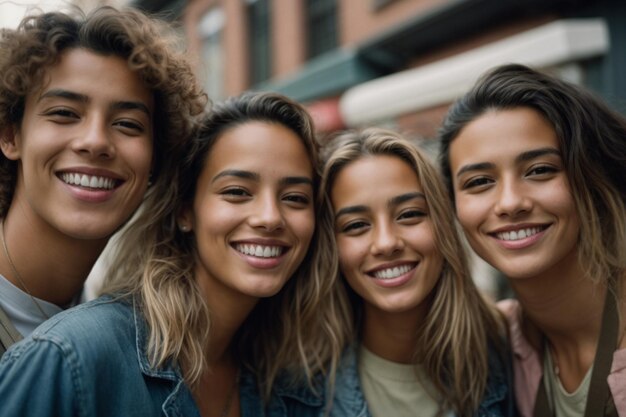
{"x": 403, "y": 198}
{"x": 118, "y": 105}
{"x": 523, "y": 157}
{"x": 397, "y": 200}
{"x": 535, "y": 153}
{"x": 475, "y": 167}
{"x": 296, "y": 181}
{"x": 248, "y": 175}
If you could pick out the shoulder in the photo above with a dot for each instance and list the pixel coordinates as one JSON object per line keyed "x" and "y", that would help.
{"x": 84, "y": 332}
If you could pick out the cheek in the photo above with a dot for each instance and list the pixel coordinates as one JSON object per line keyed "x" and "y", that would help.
{"x": 303, "y": 225}
{"x": 140, "y": 157}
{"x": 351, "y": 255}
{"x": 212, "y": 218}
{"x": 470, "y": 211}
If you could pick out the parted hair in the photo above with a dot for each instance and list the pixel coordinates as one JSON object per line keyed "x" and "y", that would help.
{"x": 294, "y": 330}
{"x": 148, "y": 46}
{"x": 459, "y": 320}
{"x": 592, "y": 142}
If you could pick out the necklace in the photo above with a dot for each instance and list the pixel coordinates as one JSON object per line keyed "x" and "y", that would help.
{"x": 17, "y": 274}
{"x": 231, "y": 395}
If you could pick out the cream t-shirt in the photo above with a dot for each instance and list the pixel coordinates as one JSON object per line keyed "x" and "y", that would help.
{"x": 564, "y": 404}
{"x": 396, "y": 389}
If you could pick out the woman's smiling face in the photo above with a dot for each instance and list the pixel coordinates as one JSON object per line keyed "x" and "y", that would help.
{"x": 512, "y": 194}
{"x": 384, "y": 233}
{"x": 253, "y": 211}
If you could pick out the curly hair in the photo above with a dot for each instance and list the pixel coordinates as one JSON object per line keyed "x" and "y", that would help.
{"x": 293, "y": 330}
{"x": 40, "y": 40}
{"x": 592, "y": 142}
{"x": 459, "y": 320}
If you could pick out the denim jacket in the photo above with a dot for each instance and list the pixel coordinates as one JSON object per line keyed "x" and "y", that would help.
{"x": 91, "y": 361}
{"x": 349, "y": 401}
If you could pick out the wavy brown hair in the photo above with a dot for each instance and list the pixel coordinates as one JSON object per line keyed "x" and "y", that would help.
{"x": 294, "y": 330}
{"x": 459, "y": 320}
{"x": 592, "y": 142}
{"x": 147, "y": 45}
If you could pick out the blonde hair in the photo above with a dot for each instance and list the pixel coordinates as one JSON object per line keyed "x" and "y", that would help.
{"x": 295, "y": 330}
{"x": 459, "y": 320}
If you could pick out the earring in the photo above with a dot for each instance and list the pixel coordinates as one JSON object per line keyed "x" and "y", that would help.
{"x": 184, "y": 228}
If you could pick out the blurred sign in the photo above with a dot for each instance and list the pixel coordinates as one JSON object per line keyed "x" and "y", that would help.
{"x": 326, "y": 115}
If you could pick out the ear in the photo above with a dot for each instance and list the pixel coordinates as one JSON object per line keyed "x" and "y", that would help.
{"x": 185, "y": 220}
{"x": 9, "y": 143}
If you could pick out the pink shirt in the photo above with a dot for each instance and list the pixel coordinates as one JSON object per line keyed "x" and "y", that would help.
{"x": 528, "y": 369}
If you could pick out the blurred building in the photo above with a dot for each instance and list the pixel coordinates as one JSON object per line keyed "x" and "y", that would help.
{"x": 12, "y": 12}
{"x": 398, "y": 63}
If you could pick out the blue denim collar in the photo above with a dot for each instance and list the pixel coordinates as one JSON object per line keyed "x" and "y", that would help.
{"x": 284, "y": 387}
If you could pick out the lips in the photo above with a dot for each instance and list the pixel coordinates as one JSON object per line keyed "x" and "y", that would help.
{"x": 392, "y": 272}
{"x": 96, "y": 182}
{"x": 260, "y": 251}
{"x": 519, "y": 234}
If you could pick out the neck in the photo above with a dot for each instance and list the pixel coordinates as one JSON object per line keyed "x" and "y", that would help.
{"x": 392, "y": 336}
{"x": 50, "y": 266}
{"x": 566, "y": 308}
{"x": 564, "y": 305}
{"x": 229, "y": 310}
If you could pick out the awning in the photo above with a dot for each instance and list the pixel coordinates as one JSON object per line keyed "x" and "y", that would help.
{"x": 441, "y": 82}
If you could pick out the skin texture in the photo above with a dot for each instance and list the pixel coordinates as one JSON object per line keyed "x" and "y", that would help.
{"x": 382, "y": 223}
{"x": 508, "y": 176}
{"x": 255, "y": 190}
{"x": 93, "y": 116}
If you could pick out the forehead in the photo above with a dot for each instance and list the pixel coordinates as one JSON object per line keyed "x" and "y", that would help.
{"x": 502, "y": 133}
{"x": 106, "y": 77}
{"x": 374, "y": 178}
{"x": 263, "y": 147}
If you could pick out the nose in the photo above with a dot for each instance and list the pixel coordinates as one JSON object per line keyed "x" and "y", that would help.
{"x": 95, "y": 140}
{"x": 512, "y": 200}
{"x": 267, "y": 214}
{"x": 385, "y": 240}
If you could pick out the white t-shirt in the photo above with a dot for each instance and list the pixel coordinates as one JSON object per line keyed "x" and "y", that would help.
{"x": 21, "y": 309}
{"x": 396, "y": 389}
{"x": 565, "y": 404}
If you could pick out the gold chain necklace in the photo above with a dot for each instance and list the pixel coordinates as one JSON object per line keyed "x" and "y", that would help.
{"x": 17, "y": 274}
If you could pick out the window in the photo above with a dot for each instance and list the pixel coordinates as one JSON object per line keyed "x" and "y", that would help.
{"x": 322, "y": 26}
{"x": 259, "y": 40}
{"x": 210, "y": 29}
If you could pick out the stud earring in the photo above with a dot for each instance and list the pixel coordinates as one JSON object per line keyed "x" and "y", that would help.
{"x": 184, "y": 228}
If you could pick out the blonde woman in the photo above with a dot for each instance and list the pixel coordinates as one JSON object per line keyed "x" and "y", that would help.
{"x": 222, "y": 299}
{"x": 424, "y": 340}
{"x": 537, "y": 168}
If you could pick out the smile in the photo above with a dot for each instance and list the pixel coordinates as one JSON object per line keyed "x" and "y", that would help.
{"x": 519, "y": 234}
{"x": 89, "y": 181}
{"x": 391, "y": 273}
{"x": 260, "y": 251}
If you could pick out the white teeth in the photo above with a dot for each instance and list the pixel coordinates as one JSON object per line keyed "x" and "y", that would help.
{"x": 90, "y": 181}
{"x": 260, "y": 250}
{"x": 394, "y": 272}
{"x": 520, "y": 234}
